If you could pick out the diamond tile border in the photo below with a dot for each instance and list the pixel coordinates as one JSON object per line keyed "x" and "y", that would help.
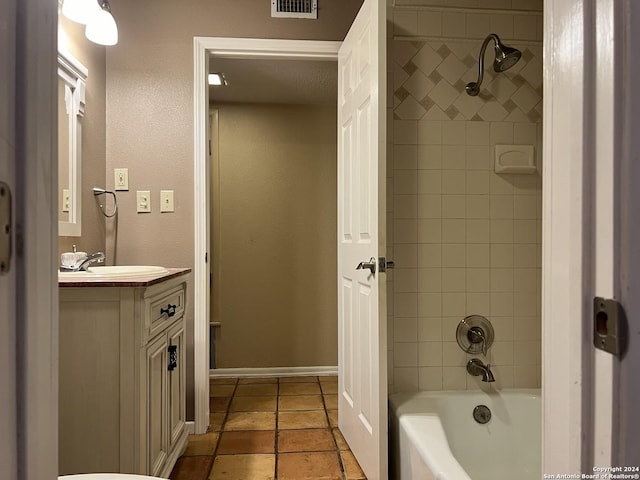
{"x": 432, "y": 75}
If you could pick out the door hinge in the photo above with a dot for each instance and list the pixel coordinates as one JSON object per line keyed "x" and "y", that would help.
{"x": 384, "y": 264}
{"x": 5, "y": 228}
{"x": 173, "y": 357}
{"x": 609, "y": 326}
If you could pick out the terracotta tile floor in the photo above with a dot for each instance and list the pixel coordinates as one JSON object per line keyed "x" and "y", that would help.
{"x": 270, "y": 428}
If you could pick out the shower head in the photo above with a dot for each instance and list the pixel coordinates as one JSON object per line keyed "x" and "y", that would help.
{"x": 506, "y": 57}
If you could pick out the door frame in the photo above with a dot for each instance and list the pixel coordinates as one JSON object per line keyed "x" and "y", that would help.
{"x": 35, "y": 242}
{"x": 629, "y": 204}
{"x": 564, "y": 384}
{"x": 566, "y": 226}
{"x": 203, "y": 48}
{"x": 584, "y": 136}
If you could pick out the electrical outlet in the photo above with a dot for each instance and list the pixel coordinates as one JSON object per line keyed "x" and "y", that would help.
{"x": 121, "y": 178}
{"x": 66, "y": 200}
{"x": 166, "y": 201}
{"x": 143, "y": 201}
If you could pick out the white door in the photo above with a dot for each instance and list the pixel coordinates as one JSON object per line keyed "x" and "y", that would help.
{"x": 8, "y": 385}
{"x": 361, "y": 237}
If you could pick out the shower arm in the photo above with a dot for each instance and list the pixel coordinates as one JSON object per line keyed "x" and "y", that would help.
{"x": 483, "y": 49}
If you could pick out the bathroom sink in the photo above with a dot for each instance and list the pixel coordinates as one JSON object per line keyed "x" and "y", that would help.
{"x": 116, "y": 271}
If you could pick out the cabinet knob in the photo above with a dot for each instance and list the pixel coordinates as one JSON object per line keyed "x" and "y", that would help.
{"x": 170, "y": 310}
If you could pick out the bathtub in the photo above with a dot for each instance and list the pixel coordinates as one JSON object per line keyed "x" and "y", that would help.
{"x": 434, "y": 436}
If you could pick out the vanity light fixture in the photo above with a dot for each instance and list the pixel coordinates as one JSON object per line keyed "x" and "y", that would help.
{"x": 101, "y": 27}
{"x": 217, "y": 79}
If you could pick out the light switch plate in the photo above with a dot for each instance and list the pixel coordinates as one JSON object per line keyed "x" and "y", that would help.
{"x": 121, "y": 178}
{"x": 166, "y": 201}
{"x": 66, "y": 199}
{"x": 143, "y": 201}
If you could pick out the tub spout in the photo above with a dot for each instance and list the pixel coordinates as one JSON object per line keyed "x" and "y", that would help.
{"x": 475, "y": 367}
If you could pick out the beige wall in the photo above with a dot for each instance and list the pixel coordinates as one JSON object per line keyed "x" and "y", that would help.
{"x": 277, "y": 232}
{"x": 93, "y": 57}
{"x": 150, "y": 110}
{"x": 465, "y": 239}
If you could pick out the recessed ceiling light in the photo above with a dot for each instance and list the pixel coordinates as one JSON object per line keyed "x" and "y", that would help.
{"x": 217, "y": 79}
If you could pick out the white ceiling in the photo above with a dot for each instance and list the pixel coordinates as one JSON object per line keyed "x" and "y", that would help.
{"x": 275, "y": 81}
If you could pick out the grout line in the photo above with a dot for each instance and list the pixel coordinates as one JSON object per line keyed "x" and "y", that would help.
{"x": 212, "y": 458}
{"x": 335, "y": 442}
{"x": 222, "y": 425}
{"x": 277, "y": 430}
{"x": 227, "y": 412}
{"x": 470, "y": 10}
{"x": 442, "y": 39}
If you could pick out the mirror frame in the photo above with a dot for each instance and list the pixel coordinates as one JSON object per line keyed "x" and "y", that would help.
{"x": 74, "y": 74}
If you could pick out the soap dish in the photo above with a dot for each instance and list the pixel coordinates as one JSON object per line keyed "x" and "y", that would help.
{"x": 515, "y": 159}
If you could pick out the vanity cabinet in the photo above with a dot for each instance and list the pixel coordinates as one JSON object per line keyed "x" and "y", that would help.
{"x": 165, "y": 397}
{"x": 122, "y": 375}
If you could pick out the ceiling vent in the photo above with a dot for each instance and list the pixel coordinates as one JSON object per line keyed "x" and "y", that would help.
{"x": 294, "y": 8}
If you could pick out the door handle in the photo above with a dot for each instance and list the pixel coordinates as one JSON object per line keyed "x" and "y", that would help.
{"x": 371, "y": 265}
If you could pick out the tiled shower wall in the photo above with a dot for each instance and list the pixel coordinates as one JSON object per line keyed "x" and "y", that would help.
{"x": 465, "y": 240}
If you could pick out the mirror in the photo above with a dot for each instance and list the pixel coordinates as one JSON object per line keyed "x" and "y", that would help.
{"x": 72, "y": 78}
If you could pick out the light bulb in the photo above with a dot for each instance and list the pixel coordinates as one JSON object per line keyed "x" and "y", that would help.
{"x": 102, "y": 28}
{"x": 217, "y": 79}
{"x": 80, "y": 11}
{"x": 214, "y": 79}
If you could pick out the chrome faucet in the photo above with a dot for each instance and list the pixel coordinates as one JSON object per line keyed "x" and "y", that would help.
{"x": 475, "y": 367}
{"x": 82, "y": 265}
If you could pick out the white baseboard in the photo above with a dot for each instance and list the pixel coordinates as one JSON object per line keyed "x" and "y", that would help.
{"x": 190, "y": 427}
{"x": 272, "y": 372}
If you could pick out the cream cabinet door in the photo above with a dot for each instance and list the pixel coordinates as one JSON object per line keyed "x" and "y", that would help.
{"x": 156, "y": 385}
{"x": 177, "y": 386}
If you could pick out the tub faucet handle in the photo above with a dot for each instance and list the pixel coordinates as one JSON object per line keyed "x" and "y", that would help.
{"x": 476, "y": 335}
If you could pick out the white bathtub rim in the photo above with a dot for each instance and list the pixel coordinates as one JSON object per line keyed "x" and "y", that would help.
{"x": 398, "y": 401}
{"x": 107, "y": 476}
{"x": 394, "y": 398}
{"x": 424, "y": 428}
{"x": 427, "y": 430}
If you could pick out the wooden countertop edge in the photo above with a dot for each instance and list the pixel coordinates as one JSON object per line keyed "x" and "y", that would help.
{"x": 139, "y": 281}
